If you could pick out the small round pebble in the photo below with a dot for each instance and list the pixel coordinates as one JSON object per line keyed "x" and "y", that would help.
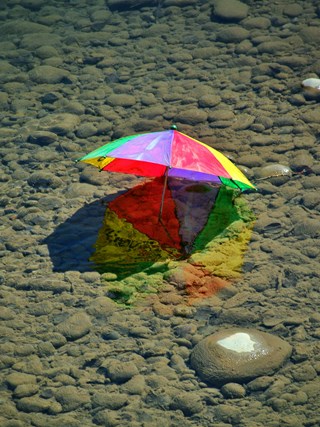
{"x": 233, "y": 391}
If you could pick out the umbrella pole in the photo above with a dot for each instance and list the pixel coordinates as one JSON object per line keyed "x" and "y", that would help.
{"x": 163, "y": 193}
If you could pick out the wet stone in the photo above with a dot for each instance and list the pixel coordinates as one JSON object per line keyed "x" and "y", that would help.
{"x": 80, "y": 190}
{"x": 60, "y": 124}
{"x": 50, "y": 75}
{"x": 192, "y": 116}
{"x": 71, "y": 397}
{"x": 109, "y": 400}
{"x": 301, "y": 160}
{"x": 228, "y": 414}
{"x": 6, "y": 313}
{"x": 233, "y": 391}
{"x": 33, "y": 404}
{"x": 86, "y": 130}
{"x": 257, "y": 22}
{"x": 92, "y": 176}
{"x": 209, "y": 101}
{"x": 90, "y": 277}
{"x": 4, "y": 97}
{"x": 305, "y": 372}
{"x": 293, "y": 10}
{"x": 43, "y": 284}
{"x": 44, "y": 180}
{"x": 121, "y": 100}
{"x": 45, "y": 349}
{"x": 309, "y": 227}
{"x": 101, "y": 307}
{"x": 42, "y": 137}
{"x": 11, "y": 423}
{"x": 24, "y": 350}
{"x": 75, "y": 327}
{"x": 230, "y": 10}
{"x": 45, "y": 52}
{"x": 273, "y": 47}
{"x": 107, "y": 418}
{"x": 120, "y": 372}
{"x": 260, "y": 384}
{"x": 310, "y": 34}
{"x": 311, "y": 182}
{"x": 189, "y": 403}
{"x": 273, "y": 171}
{"x": 136, "y": 385}
{"x": 25, "y": 390}
{"x": 74, "y": 107}
{"x": 50, "y": 203}
{"x": 23, "y": 27}
{"x": 17, "y": 378}
{"x": 233, "y": 34}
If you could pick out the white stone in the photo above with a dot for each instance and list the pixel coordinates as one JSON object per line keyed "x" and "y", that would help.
{"x": 312, "y": 83}
{"x": 238, "y": 355}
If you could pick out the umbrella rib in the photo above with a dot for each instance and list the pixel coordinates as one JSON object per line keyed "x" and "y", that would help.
{"x": 163, "y": 192}
{"x": 234, "y": 182}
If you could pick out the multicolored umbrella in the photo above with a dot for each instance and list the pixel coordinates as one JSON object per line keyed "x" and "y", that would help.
{"x": 167, "y": 153}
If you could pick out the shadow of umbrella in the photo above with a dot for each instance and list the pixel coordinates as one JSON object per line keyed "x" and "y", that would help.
{"x": 71, "y": 244}
{"x": 203, "y": 227}
{"x": 132, "y": 238}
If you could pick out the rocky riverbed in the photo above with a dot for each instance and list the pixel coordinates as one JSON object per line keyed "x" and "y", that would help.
{"x": 75, "y": 75}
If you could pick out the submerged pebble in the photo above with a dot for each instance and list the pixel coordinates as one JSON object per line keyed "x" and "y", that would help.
{"x": 273, "y": 170}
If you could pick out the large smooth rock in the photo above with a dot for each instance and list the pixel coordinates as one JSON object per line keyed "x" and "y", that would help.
{"x": 75, "y": 326}
{"x": 49, "y": 74}
{"x": 238, "y": 355}
{"x": 23, "y": 27}
{"x": 230, "y": 10}
{"x": 60, "y": 124}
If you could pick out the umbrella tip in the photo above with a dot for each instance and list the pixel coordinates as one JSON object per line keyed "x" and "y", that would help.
{"x": 173, "y": 127}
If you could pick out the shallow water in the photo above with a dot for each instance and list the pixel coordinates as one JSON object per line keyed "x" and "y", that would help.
{"x": 75, "y": 75}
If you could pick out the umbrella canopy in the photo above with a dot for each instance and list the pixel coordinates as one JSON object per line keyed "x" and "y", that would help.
{"x": 169, "y": 153}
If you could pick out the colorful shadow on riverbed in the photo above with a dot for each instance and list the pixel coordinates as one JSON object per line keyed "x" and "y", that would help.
{"x": 203, "y": 228}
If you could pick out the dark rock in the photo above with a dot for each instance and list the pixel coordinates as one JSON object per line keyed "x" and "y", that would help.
{"x": 49, "y": 98}
{"x": 42, "y": 137}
